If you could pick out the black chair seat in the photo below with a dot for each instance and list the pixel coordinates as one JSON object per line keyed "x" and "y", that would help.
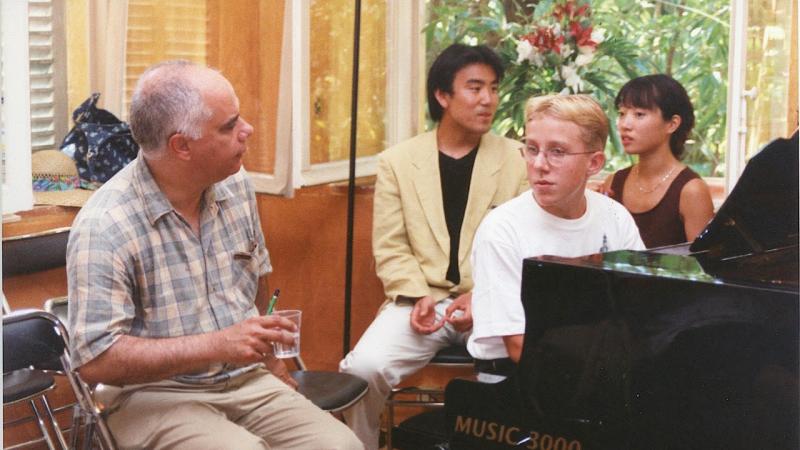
{"x": 427, "y": 430}
{"x": 455, "y": 354}
{"x": 24, "y": 384}
{"x": 330, "y": 391}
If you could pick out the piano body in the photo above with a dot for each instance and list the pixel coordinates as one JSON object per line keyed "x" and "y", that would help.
{"x": 682, "y": 347}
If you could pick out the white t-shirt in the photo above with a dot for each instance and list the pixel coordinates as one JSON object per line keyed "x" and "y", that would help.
{"x": 519, "y": 229}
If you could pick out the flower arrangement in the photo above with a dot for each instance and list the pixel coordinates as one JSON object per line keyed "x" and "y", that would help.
{"x": 562, "y": 48}
{"x": 554, "y": 46}
{"x": 557, "y": 51}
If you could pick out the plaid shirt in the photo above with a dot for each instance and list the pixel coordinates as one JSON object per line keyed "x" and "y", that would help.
{"x": 135, "y": 267}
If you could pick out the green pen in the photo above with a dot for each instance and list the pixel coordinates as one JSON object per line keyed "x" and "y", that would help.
{"x": 273, "y": 300}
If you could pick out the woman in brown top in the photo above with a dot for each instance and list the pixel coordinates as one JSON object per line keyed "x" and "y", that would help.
{"x": 669, "y": 201}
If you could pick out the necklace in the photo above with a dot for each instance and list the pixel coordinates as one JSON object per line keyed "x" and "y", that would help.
{"x": 660, "y": 182}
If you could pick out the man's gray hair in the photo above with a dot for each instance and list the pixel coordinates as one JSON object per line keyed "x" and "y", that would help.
{"x": 165, "y": 102}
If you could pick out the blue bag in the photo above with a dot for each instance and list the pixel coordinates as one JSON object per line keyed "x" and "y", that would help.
{"x": 100, "y": 143}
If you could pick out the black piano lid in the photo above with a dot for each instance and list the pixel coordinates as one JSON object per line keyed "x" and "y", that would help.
{"x": 761, "y": 212}
{"x": 775, "y": 270}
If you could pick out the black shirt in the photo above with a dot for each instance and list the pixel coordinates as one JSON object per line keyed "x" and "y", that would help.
{"x": 455, "y": 175}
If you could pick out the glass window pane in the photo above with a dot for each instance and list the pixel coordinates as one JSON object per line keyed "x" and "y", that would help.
{"x": 331, "y": 55}
{"x": 768, "y": 49}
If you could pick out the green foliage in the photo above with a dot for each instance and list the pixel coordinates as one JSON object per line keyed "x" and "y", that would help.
{"x": 687, "y": 39}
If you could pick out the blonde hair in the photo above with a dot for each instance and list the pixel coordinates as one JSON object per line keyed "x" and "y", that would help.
{"x": 580, "y": 109}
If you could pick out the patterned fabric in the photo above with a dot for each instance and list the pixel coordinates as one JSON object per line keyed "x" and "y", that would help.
{"x": 100, "y": 143}
{"x": 136, "y": 268}
{"x": 42, "y": 183}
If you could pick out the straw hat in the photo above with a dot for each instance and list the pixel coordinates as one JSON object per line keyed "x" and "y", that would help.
{"x": 55, "y": 180}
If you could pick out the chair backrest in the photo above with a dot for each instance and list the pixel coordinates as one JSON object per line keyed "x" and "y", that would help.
{"x": 33, "y": 336}
{"x": 30, "y": 337}
{"x": 59, "y": 307}
{"x": 35, "y": 252}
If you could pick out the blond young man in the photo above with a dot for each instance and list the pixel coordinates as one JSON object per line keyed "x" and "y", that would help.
{"x": 564, "y": 142}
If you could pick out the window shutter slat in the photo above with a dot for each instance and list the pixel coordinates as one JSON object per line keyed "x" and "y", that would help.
{"x": 47, "y": 123}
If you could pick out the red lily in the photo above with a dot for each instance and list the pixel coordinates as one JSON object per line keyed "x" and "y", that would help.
{"x": 583, "y": 36}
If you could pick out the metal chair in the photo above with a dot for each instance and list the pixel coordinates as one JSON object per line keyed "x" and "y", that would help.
{"x": 428, "y": 427}
{"x": 31, "y": 253}
{"x": 29, "y": 385}
{"x": 26, "y": 254}
{"x": 86, "y": 419}
{"x": 32, "y": 337}
{"x": 21, "y": 384}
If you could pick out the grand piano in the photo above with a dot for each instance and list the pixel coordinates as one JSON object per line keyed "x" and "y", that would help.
{"x": 681, "y": 347}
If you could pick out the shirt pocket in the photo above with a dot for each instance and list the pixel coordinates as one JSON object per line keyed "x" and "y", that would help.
{"x": 238, "y": 270}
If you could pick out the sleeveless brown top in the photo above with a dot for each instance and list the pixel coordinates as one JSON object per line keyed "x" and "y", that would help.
{"x": 661, "y": 225}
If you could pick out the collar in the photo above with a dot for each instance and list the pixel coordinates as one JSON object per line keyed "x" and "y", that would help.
{"x": 156, "y": 204}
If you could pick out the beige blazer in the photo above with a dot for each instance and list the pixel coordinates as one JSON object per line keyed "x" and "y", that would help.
{"x": 410, "y": 241}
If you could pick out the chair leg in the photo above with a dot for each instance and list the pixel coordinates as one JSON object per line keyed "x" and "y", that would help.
{"x": 77, "y": 423}
{"x": 54, "y": 423}
{"x": 97, "y": 431}
{"x": 107, "y": 441}
{"x": 42, "y": 427}
{"x": 390, "y": 421}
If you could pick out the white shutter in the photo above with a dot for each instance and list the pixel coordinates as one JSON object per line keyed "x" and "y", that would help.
{"x": 47, "y": 73}
{"x": 159, "y": 31}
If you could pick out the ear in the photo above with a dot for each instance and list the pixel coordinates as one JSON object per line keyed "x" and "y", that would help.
{"x": 597, "y": 161}
{"x": 442, "y": 97}
{"x": 178, "y": 144}
{"x": 674, "y": 123}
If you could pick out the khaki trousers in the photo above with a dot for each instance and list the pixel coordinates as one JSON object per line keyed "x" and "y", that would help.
{"x": 253, "y": 411}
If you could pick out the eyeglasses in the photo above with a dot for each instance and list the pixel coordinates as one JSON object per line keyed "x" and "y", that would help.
{"x": 554, "y": 156}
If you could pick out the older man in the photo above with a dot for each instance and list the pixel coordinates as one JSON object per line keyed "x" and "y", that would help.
{"x": 167, "y": 275}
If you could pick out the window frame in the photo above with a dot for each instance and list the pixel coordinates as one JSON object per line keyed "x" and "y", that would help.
{"x": 737, "y": 95}
{"x": 279, "y": 182}
{"x": 17, "y": 177}
{"x": 402, "y": 118}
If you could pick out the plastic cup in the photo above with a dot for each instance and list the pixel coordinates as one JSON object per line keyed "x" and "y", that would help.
{"x": 282, "y": 350}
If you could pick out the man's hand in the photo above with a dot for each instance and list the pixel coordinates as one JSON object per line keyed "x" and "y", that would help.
{"x": 423, "y": 316}
{"x": 459, "y": 313}
{"x": 251, "y": 340}
{"x": 132, "y": 360}
{"x": 278, "y": 368}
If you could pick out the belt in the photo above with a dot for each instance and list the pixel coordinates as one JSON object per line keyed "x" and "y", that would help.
{"x": 218, "y": 377}
{"x": 500, "y": 366}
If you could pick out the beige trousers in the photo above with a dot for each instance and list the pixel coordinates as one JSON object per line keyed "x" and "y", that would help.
{"x": 252, "y": 411}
